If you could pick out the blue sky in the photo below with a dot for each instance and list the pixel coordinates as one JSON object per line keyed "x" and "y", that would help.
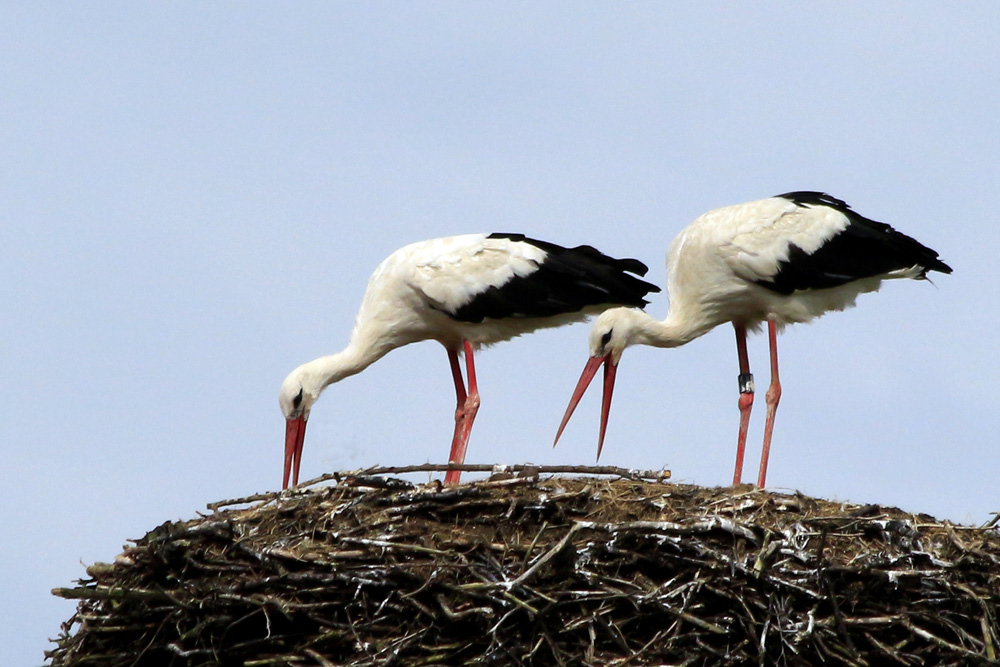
{"x": 193, "y": 196}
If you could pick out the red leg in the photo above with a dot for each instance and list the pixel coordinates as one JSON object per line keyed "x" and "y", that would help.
{"x": 456, "y": 374}
{"x": 772, "y": 397}
{"x": 746, "y": 398}
{"x": 465, "y": 414}
{"x": 451, "y": 477}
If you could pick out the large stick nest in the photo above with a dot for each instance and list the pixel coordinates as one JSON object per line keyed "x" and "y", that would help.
{"x": 379, "y": 571}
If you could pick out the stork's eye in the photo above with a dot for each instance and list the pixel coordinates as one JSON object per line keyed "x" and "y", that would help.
{"x": 606, "y": 338}
{"x": 297, "y": 401}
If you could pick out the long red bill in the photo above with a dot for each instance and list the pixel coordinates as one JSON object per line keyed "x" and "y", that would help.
{"x": 610, "y": 368}
{"x": 589, "y": 371}
{"x": 295, "y": 435}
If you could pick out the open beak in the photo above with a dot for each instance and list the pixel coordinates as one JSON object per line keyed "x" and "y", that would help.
{"x": 589, "y": 371}
{"x": 295, "y": 434}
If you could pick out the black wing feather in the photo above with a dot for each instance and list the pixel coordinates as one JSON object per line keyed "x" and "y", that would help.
{"x": 567, "y": 281}
{"x": 865, "y": 248}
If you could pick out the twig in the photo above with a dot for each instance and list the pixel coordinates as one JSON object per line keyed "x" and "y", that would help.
{"x": 546, "y": 557}
{"x": 701, "y": 526}
{"x": 533, "y": 470}
{"x": 103, "y": 593}
{"x": 944, "y": 643}
{"x": 624, "y": 473}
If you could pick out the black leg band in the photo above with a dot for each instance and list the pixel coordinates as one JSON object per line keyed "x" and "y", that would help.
{"x": 746, "y": 383}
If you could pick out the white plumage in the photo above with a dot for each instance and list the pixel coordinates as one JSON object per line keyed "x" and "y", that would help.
{"x": 464, "y": 292}
{"x": 779, "y": 261}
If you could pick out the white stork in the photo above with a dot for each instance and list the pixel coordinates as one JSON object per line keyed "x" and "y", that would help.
{"x": 780, "y": 260}
{"x": 464, "y": 292}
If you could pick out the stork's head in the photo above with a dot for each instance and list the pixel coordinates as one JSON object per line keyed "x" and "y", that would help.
{"x": 298, "y": 393}
{"x": 613, "y": 331}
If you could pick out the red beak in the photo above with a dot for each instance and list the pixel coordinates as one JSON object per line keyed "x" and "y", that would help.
{"x": 295, "y": 434}
{"x": 589, "y": 371}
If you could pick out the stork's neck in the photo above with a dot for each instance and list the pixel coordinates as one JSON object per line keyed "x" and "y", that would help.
{"x": 357, "y": 356}
{"x": 673, "y": 331}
